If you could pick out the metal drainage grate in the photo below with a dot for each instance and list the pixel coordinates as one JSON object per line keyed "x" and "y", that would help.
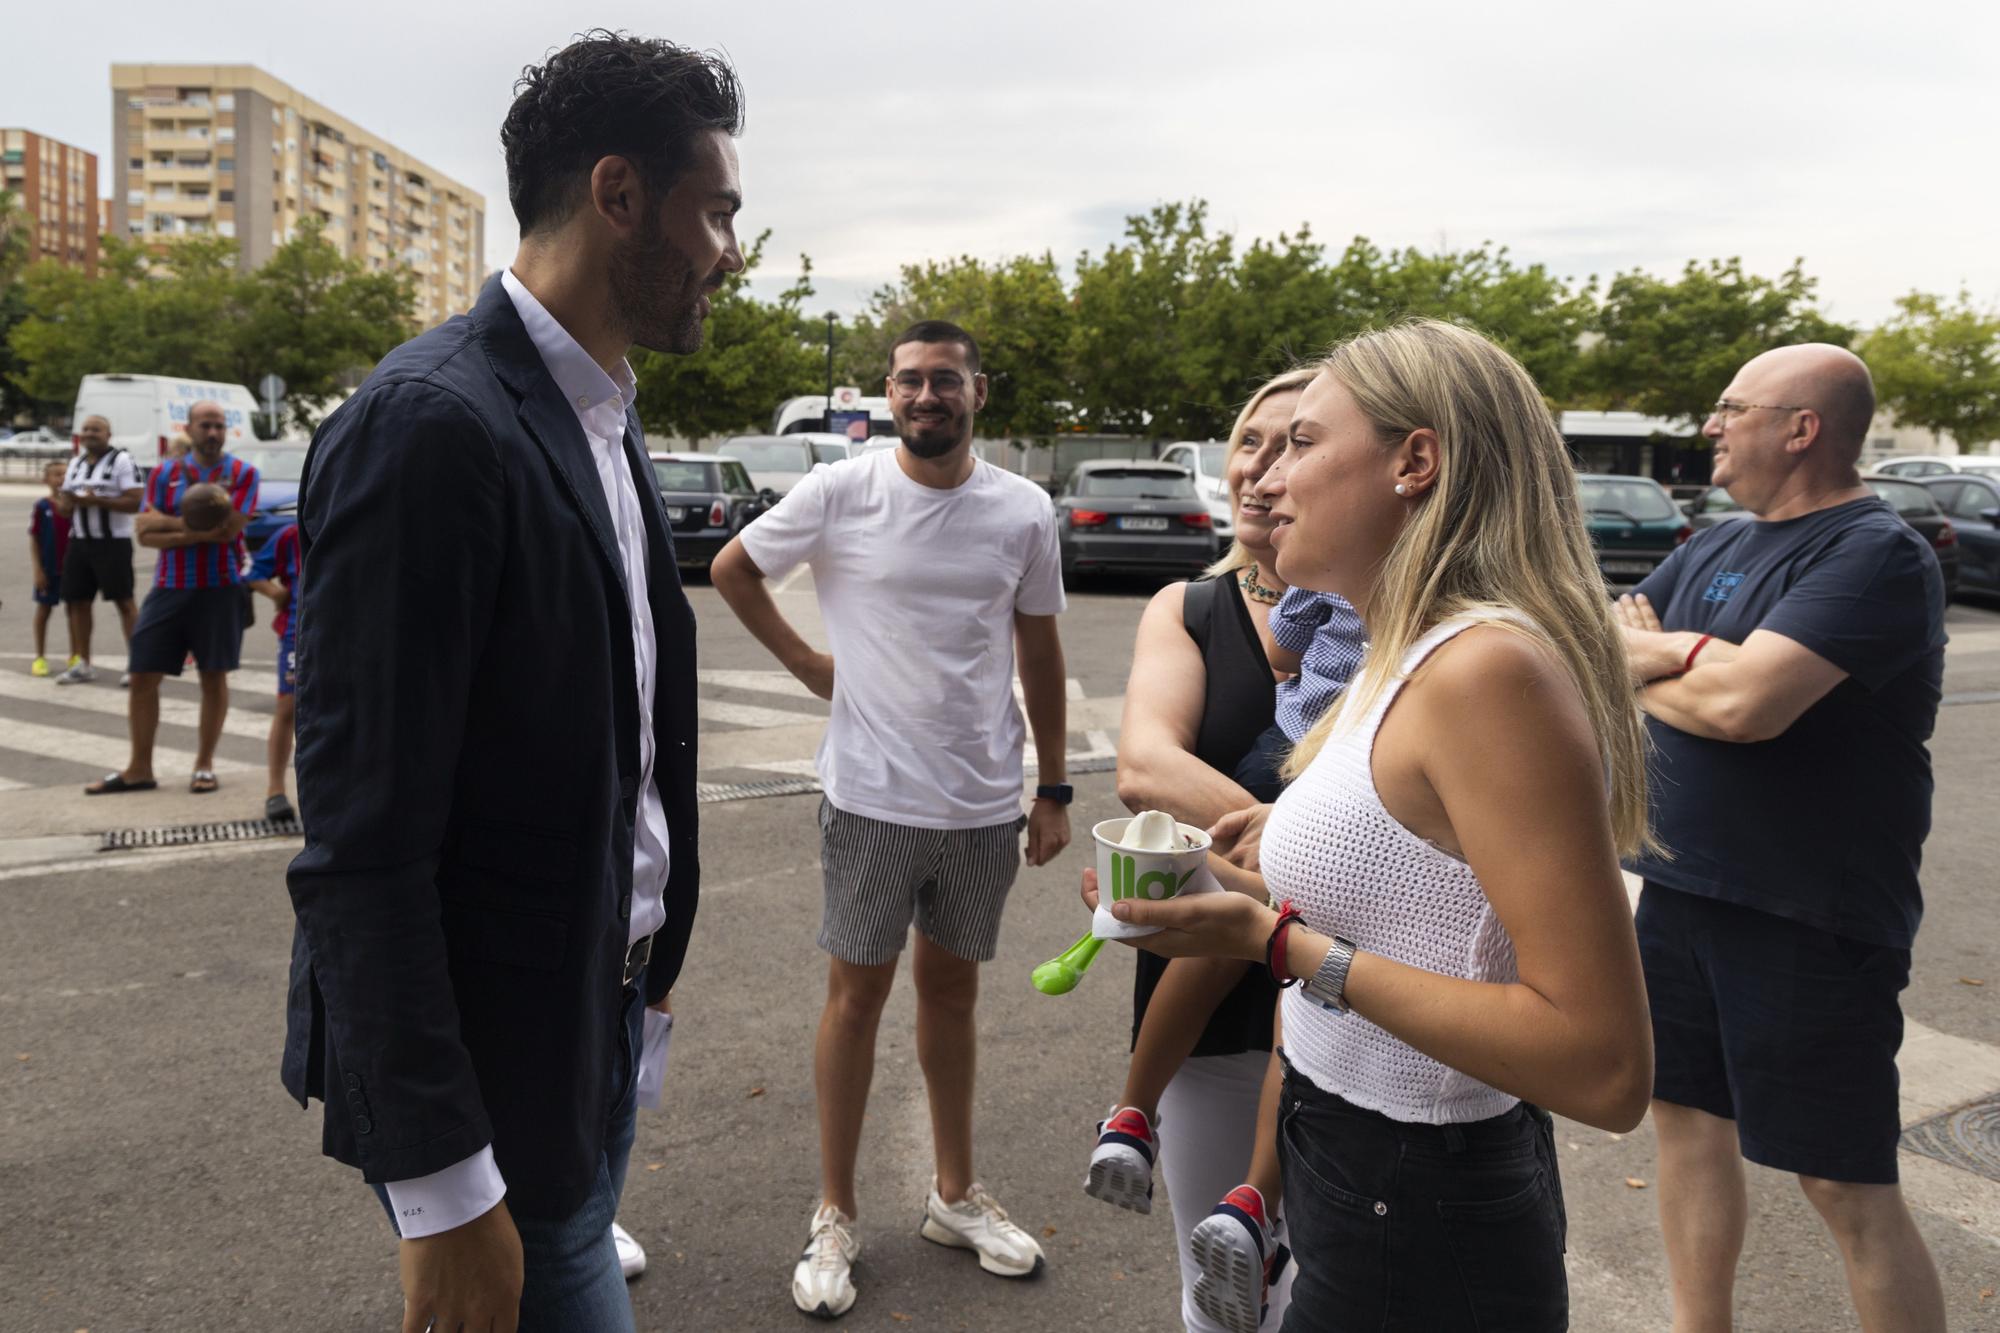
{"x": 710, "y": 793}
{"x": 191, "y": 835}
{"x": 1968, "y": 1138}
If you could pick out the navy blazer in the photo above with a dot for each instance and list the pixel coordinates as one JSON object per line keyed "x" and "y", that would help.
{"x": 468, "y": 768}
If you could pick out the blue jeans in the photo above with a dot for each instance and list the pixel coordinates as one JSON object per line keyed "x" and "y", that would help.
{"x": 572, "y": 1283}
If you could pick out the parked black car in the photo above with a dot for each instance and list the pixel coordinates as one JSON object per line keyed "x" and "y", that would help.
{"x": 1919, "y": 508}
{"x": 709, "y": 499}
{"x": 1972, "y": 503}
{"x": 1134, "y": 516}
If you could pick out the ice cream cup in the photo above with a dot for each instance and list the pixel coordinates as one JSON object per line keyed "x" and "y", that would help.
{"x": 1130, "y": 872}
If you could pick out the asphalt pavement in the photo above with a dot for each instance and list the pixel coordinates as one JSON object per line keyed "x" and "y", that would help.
{"x": 154, "y": 1176}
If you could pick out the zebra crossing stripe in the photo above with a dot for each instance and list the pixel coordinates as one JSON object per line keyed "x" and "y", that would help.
{"x": 109, "y": 753}
{"x": 246, "y": 723}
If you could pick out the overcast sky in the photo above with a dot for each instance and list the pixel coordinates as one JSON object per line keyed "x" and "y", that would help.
{"x": 1591, "y": 137}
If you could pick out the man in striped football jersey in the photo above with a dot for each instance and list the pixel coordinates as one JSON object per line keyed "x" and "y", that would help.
{"x": 196, "y": 605}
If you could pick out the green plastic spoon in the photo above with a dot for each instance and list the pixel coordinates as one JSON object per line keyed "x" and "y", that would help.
{"x": 1060, "y": 974}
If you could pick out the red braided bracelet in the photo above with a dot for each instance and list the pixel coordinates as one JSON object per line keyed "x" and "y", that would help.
{"x": 1274, "y": 947}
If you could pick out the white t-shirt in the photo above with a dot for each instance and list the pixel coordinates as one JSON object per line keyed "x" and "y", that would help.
{"x": 108, "y": 477}
{"x": 918, "y": 588}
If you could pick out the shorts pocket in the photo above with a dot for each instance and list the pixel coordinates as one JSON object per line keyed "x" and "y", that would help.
{"x": 1508, "y": 1252}
{"x": 1340, "y": 1238}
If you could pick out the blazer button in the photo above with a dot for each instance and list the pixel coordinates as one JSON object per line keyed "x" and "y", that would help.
{"x": 354, "y": 1081}
{"x": 364, "y": 1125}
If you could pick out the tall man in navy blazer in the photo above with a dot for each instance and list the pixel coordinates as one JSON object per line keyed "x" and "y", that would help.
{"x": 496, "y": 710}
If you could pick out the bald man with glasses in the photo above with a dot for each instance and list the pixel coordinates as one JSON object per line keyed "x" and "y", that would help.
{"x": 1791, "y": 669}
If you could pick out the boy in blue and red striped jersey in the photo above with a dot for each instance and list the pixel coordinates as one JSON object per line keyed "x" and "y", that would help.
{"x": 48, "y": 542}
{"x": 275, "y": 573}
{"x": 196, "y": 605}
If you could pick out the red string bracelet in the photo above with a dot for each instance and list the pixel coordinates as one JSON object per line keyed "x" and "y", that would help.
{"x": 1274, "y": 947}
{"x": 1699, "y": 644}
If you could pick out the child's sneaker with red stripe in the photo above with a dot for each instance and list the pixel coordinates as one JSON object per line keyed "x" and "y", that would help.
{"x": 1121, "y": 1165}
{"x": 1237, "y": 1251}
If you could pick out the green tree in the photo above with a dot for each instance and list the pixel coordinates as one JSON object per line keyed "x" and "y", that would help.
{"x": 1937, "y": 366}
{"x": 15, "y": 232}
{"x": 1535, "y": 315}
{"x": 309, "y": 314}
{"x": 1669, "y": 347}
{"x": 1016, "y": 309}
{"x": 754, "y": 357}
{"x": 317, "y": 319}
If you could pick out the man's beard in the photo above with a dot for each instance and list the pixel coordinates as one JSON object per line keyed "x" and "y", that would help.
{"x": 933, "y": 441}
{"x": 655, "y": 295}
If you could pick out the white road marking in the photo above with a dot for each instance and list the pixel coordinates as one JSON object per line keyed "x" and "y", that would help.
{"x": 759, "y": 682}
{"x": 147, "y": 859}
{"x": 750, "y": 715}
{"x": 106, "y": 752}
{"x": 175, "y": 712}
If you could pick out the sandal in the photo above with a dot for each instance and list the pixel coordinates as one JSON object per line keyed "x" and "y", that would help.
{"x": 113, "y": 783}
{"x": 203, "y": 782}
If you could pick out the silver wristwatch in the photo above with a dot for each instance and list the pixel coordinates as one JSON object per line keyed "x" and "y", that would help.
{"x": 1327, "y": 986}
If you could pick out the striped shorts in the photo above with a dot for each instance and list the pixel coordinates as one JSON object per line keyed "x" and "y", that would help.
{"x": 878, "y": 876}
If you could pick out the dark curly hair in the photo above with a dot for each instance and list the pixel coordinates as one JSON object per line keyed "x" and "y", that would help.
{"x": 610, "y": 94}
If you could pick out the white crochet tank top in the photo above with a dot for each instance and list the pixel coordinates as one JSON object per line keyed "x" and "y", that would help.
{"x": 1355, "y": 872}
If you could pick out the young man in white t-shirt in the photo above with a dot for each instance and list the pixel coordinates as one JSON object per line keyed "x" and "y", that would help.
{"x": 930, "y": 566}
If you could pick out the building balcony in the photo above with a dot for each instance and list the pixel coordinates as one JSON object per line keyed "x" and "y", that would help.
{"x": 180, "y": 174}
{"x": 171, "y": 140}
{"x": 184, "y": 206}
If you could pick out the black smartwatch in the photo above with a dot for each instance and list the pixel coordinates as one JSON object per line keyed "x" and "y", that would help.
{"x": 1059, "y": 792}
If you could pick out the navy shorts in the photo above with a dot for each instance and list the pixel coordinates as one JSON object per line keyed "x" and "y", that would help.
{"x": 53, "y": 597}
{"x": 288, "y": 654}
{"x": 174, "y": 622}
{"x": 1789, "y": 1030}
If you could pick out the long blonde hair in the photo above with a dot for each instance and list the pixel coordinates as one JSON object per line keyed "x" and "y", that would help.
{"x": 1501, "y": 532}
{"x": 1291, "y": 381}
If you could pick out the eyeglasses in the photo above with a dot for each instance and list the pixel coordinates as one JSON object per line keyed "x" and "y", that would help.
{"x": 1726, "y": 410}
{"x": 944, "y": 383}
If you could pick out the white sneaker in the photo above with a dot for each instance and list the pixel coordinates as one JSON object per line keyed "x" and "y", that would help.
{"x": 631, "y": 1255}
{"x": 1121, "y": 1162}
{"x": 980, "y": 1224}
{"x": 80, "y": 674}
{"x": 823, "y": 1281}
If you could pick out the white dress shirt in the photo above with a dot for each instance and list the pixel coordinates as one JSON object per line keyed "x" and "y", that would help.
{"x": 467, "y": 1189}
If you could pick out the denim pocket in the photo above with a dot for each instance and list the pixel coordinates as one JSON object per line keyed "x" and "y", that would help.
{"x": 1339, "y": 1238}
{"x": 1508, "y": 1252}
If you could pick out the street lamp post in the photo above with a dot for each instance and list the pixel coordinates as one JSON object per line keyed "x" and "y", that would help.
{"x": 827, "y": 422}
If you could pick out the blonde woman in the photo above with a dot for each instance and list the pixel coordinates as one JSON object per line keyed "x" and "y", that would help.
{"x": 1446, "y": 856}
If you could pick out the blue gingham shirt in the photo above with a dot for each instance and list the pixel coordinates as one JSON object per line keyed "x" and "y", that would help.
{"x": 1327, "y": 635}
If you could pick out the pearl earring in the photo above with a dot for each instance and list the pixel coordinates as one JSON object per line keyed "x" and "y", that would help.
{"x": 1400, "y": 488}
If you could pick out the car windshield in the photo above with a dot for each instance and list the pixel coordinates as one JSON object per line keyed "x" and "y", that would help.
{"x": 829, "y": 453}
{"x": 682, "y": 476}
{"x": 1641, "y": 501}
{"x": 1136, "y": 484}
{"x": 1719, "y": 501}
{"x": 1910, "y": 500}
{"x": 274, "y": 462}
{"x": 1984, "y": 467}
{"x": 1212, "y": 458}
{"x": 771, "y": 455}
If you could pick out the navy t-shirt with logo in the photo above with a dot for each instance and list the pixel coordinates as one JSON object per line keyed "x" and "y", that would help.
{"x": 1826, "y": 823}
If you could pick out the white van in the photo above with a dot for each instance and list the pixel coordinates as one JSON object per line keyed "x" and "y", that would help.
{"x": 146, "y": 411}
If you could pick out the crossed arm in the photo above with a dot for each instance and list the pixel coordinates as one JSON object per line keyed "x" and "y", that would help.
{"x": 164, "y": 532}
{"x": 1742, "y": 693}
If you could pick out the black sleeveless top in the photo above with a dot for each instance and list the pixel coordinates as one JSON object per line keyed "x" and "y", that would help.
{"x": 1237, "y": 708}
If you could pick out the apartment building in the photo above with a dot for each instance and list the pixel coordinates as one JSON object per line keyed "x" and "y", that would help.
{"x": 229, "y": 150}
{"x": 57, "y": 187}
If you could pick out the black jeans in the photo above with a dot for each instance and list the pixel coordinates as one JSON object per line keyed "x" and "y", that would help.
{"x": 1426, "y": 1228}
